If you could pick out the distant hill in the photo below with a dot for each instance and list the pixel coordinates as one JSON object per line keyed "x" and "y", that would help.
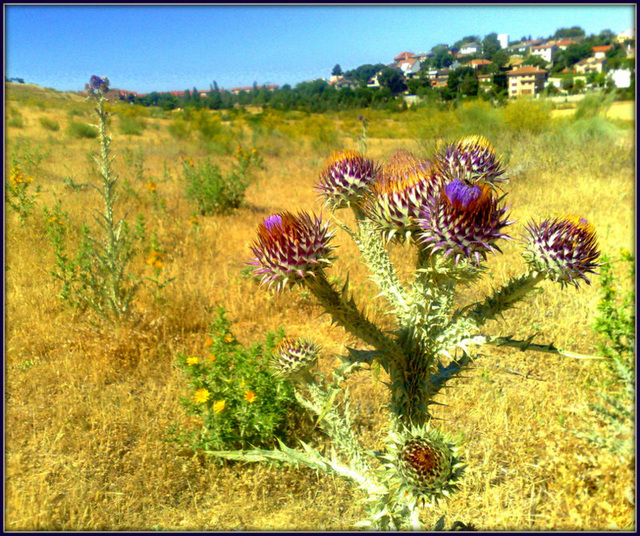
{"x": 31, "y": 91}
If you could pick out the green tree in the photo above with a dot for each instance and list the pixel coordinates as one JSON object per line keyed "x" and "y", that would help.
{"x": 337, "y": 70}
{"x": 574, "y": 31}
{"x": 465, "y": 40}
{"x": 461, "y": 82}
{"x": 490, "y": 46}
{"x": 364, "y": 73}
{"x": 501, "y": 58}
{"x": 442, "y": 58}
{"x": 393, "y": 80}
{"x": 535, "y": 61}
{"x": 573, "y": 54}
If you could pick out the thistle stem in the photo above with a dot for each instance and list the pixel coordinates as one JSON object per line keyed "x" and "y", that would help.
{"x": 528, "y": 345}
{"x": 505, "y": 297}
{"x": 346, "y": 314}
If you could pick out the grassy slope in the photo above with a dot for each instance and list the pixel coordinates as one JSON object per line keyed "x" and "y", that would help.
{"x": 87, "y": 409}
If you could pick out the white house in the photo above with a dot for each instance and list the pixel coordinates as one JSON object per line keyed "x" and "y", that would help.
{"x": 468, "y": 48}
{"x": 621, "y": 77}
{"x": 409, "y": 67}
{"x": 545, "y": 51}
{"x": 628, "y": 34}
{"x": 503, "y": 39}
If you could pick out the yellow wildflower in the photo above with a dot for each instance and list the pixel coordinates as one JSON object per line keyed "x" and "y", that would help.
{"x": 208, "y": 342}
{"x": 219, "y": 405}
{"x": 228, "y": 338}
{"x": 624, "y": 252}
{"x": 250, "y": 396}
{"x": 152, "y": 186}
{"x": 242, "y": 384}
{"x": 192, "y": 360}
{"x": 212, "y": 358}
{"x": 154, "y": 258}
{"x": 201, "y": 396}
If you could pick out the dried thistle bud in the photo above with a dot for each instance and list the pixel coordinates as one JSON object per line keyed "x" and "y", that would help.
{"x": 344, "y": 179}
{"x": 294, "y": 356}
{"x": 472, "y": 159}
{"x": 564, "y": 249}
{"x": 291, "y": 248}
{"x": 398, "y": 195}
{"x": 463, "y": 220}
{"x": 425, "y": 463}
{"x": 97, "y": 85}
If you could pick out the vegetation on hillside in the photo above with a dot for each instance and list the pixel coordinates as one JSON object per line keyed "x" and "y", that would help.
{"x": 105, "y": 423}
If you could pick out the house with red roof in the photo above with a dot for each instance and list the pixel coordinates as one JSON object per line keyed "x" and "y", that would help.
{"x": 403, "y": 56}
{"x": 601, "y": 52}
{"x": 409, "y": 67}
{"x": 477, "y": 65}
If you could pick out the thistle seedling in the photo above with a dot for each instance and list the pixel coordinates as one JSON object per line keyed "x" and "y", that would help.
{"x": 450, "y": 210}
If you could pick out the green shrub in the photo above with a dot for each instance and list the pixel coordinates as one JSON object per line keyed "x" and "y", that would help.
{"x": 322, "y": 133}
{"x": 16, "y": 122}
{"x": 240, "y": 401}
{"x": 82, "y": 130}
{"x": 593, "y": 106}
{"x": 616, "y": 326}
{"x": 527, "y": 116}
{"x": 131, "y": 126}
{"x": 479, "y": 117}
{"x": 77, "y": 112}
{"x": 180, "y": 129}
{"x": 616, "y": 321}
{"x": 210, "y": 190}
{"x": 49, "y": 124}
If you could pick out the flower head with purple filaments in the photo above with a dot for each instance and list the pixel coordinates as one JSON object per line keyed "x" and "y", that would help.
{"x": 97, "y": 85}
{"x": 398, "y": 195}
{"x": 471, "y": 159}
{"x": 345, "y": 178}
{"x": 564, "y": 249}
{"x": 291, "y": 248}
{"x": 463, "y": 220}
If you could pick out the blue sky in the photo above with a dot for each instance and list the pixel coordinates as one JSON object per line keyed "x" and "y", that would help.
{"x": 155, "y": 47}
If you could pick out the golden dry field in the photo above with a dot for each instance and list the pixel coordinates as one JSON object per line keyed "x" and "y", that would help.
{"x": 88, "y": 407}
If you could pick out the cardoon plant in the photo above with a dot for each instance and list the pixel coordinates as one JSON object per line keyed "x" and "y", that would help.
{"x": 449, "y": 209}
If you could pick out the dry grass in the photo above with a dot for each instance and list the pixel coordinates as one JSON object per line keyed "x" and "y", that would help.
{"x": 87, "y": 408}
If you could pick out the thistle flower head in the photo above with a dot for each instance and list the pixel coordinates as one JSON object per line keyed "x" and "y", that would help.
{"x": 472, "y": 159}
{"x": 565, "y": 249}
{"x": 399, "y": 193}
{"x": 97, "y": 85}
{"x": 293, "y": 356}
{"x": 463, "y": 220}
{"x": 344, "y": 179}
{"x": 290, "y": 248}
{"x": 425, "y": 462}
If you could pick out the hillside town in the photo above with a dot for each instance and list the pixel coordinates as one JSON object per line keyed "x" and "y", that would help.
{"x": 524, "y": 69}
{"x": 494, "y": 67}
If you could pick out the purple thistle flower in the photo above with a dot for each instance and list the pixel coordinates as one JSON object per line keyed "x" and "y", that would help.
{"x": 97, "y": 85}
{"x": 293, "y": 356}
{"x": 463, "y": 220}
{"x": 565, "y": 249}
{"x": 290, "y": 249}
{"x": 345, "y": 178}
{"x": 400, "y": 193}
{"x": 472, "y": 159}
